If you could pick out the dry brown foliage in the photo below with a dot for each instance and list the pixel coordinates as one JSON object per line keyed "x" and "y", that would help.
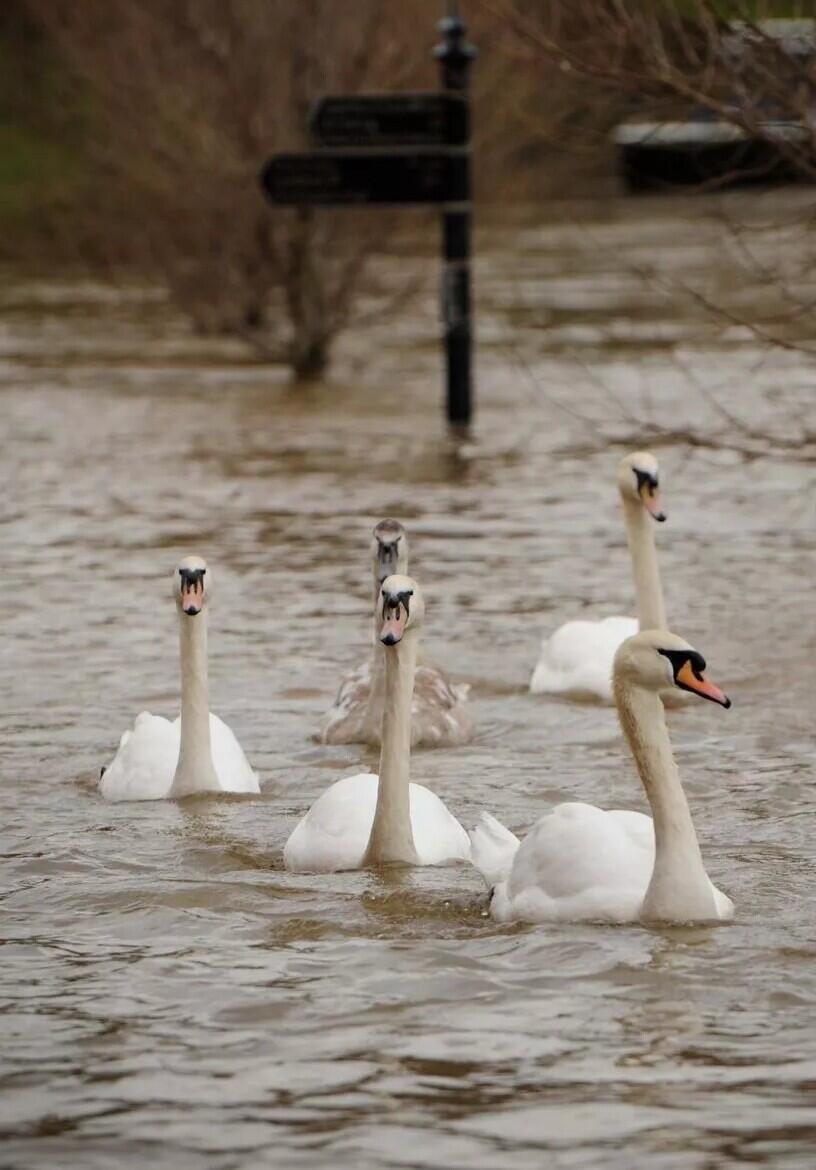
{"x": 662, "y": 60}
{"x": 673, "y": 56}
{"x": 187, "y": 100}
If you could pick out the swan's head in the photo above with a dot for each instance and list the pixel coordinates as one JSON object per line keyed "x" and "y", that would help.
{"x": 400, "y": 608}
{"x": 658, "y": 659}
{"x": 192, "y": 585}
{"x": 389, "y": 550}
{"x": 639, "y": 480}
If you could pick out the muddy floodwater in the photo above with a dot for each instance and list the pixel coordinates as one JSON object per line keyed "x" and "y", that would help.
{"x": 169, "y": 995}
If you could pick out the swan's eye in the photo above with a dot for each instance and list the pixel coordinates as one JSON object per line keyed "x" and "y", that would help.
{"x": 191, "y": 579}
{"x": 681, "y": 658}
{"x": 393, "y": 601}
{"x": 688, "y": 667}
{"x": 191, "y": 590}
{"x": 697, "y": 664}
{"x": 646, "y": 482}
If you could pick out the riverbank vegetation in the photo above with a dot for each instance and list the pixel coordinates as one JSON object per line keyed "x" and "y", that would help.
{"x": 131, "y": 135}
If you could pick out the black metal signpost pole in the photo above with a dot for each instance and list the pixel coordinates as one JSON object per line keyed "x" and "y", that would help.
{"x": 455, "y": 56}
{"x": 392, "y": 150}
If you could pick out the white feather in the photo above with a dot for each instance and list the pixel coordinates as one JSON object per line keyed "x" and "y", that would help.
{"x": 334, "y": 833}
{"x": 493, "y": 848}
{"x": 145, "y": 762}
{"x": 576, "y": 660}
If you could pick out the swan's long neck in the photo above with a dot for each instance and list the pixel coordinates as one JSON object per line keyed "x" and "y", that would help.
{"x": 391, "y": 838}
{"x": 648, "y": 591}
{"x": 679, "y": 890}
{"x": 195, "y": 771}
{"x": 376, "y": 691}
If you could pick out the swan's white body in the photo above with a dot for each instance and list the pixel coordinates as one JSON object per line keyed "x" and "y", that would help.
{"x": 582, "y": 863}
{"x": 145, "y": 762}
{"x": 577, "y": 863}
{"x": 373, "y": 820}
{"x": 438, "y": 714}
{"x": 576, "y": 660}
{"x": 197, "y": 753}
{"x": 335, "y": 832}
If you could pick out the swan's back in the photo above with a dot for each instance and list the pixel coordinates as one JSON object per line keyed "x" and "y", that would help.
{"x": 231, "y": 765}
{"x": 347, "y": 720}
{"x": 578, "y": 863}
{"x": 493, "y": 849}
{"x": 438, "y": 714}
{"x": 145, "y": 763}
{"x": 577, "y": 659}
{"x": 334, "y": 833}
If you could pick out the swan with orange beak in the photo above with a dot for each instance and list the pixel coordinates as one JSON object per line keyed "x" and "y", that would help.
{"x": 198, "y": 753}
{"x": 373, "y": 820}
{"x": 439, "y": 715}
{"x": 576, "y": 660}
{"x": 582, "y": 863}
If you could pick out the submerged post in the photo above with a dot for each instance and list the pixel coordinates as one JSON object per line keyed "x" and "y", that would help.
{"x": 455, "y": 56}
{"x": 401, "y": 150}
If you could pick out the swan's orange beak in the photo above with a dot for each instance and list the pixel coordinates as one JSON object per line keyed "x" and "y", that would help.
{"x": 650, "y": 495}
{"x": 393, "y": 626}
{"x": 689, "y": 681}
{"x": 192, "y": 596}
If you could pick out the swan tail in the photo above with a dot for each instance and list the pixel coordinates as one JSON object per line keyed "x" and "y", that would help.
{"x": 493, "y": 849}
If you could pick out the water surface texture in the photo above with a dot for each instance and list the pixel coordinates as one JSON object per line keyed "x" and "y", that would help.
{"x": 169, "y": 994}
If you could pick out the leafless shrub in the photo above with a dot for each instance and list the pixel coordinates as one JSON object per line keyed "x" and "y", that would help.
{"x": 718, "y": 59}
{"x": 188, "y": 98}
{"x": 677, "y": 55}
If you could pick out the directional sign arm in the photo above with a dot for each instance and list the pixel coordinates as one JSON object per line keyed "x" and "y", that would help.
{"x": 409, "y": 119}
{"x": 350, "y": 178}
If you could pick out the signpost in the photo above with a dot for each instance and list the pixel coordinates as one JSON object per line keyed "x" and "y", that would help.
{"x": 409, "y": 119}
{"x": 340, "y": 179}
{"x": 401, "y": 149}
{"x": 455, "y": 56}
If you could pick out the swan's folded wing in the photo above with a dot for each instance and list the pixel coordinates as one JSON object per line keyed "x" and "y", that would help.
{"x": 145, "y": 762}
{"x": 579, "y": 862}
{"x": 231, "y": 765}
{"x": 438, "y": 715}
{"x": 725, "y": 907}
{"x": 345, "y": 719}
{"x": 334, "y": 833}
{"x": 438, "y": 836}
{"x": 493, "y": 848}
{"x": 638, "y": 827}
{"x": 577, "y": 659}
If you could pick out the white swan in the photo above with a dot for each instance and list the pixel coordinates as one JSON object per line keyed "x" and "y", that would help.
{"x": 582, "y": 863}
{"x": 577, "y": 659}
{"x": 438, "y": 714}
{"x": 367, "y": 820}
{"x": 197, "y": 753}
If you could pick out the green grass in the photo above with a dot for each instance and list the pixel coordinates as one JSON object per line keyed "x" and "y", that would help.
{"x": 42, "y": 135}
{"x": 35, "y": 173}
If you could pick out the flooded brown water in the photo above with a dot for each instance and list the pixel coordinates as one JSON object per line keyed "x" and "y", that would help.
{"x": 168, "y": 992}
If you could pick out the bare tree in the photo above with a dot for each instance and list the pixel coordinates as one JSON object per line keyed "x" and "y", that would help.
{"x": 720, "y": 60}
{"x": 185, "y": 99}
{"x": 714, "y": 56}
